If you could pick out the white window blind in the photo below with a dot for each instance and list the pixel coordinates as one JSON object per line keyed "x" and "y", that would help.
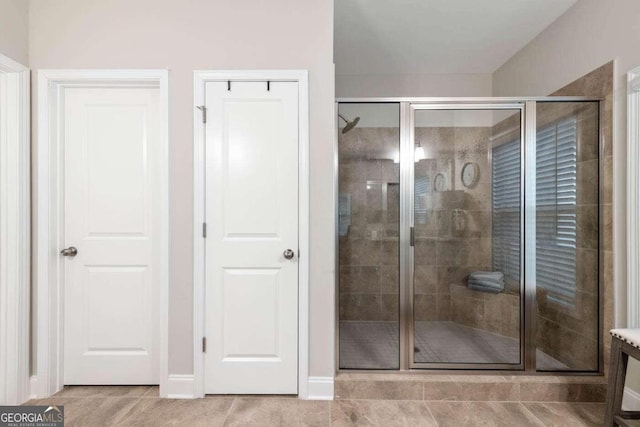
{"x": 556, "y": 225}
{"x": 505, "y": 167}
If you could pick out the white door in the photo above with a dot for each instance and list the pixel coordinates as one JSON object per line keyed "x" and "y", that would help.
{"x": 252, "y": 219}
{"x": 111, "y": 156}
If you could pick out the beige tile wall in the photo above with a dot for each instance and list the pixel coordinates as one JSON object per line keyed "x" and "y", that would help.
{"x": 457, "y": 239}
{"x": 454, "y": 239}
{"x": 368, "y": 253}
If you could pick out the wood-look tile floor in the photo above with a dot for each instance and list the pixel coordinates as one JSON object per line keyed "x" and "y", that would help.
{"x": 141, "y": 406}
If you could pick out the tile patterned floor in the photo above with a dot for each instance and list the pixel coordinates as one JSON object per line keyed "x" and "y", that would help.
{"x": 140, "y": 406}
{"x": 375, "y": 345}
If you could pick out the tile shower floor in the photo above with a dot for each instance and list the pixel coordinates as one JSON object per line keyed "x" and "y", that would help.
{"x": 375, "y": 345}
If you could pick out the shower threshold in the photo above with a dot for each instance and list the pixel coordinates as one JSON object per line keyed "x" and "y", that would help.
{"x": 375, "y": 345}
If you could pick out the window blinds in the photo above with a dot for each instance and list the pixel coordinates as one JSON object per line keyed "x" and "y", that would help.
{"x": 505, "y": 168}
{"x": 556, "y": 222}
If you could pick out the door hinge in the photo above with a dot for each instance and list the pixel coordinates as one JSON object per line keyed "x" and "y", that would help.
{"x": 204, "y": 344}
{"x": 204, "y": 112}
{"x": 204, "y": 230}
{"x": 412, "y": 237}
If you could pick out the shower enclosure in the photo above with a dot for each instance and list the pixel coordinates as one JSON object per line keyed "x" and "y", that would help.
{"x": 468, "y": 234}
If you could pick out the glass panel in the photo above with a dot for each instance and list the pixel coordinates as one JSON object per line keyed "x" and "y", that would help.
{"x": 467, "y": 219}
{"x": 567, "y": 230}
{"x": 368, "y": 230}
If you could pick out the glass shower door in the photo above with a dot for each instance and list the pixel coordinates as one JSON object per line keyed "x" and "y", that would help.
{"x": 467, "y": 234}
{"x": 567, "y": 236}
{"x": 368, "y": 235}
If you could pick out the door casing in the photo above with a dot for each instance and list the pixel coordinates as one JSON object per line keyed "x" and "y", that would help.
{"x": 48, "y": 377}
{"x": 199, "y": 81}
{"x": 15, "y": 231}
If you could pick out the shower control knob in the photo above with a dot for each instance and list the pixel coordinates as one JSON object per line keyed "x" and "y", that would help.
{"x": 288, "y": 254}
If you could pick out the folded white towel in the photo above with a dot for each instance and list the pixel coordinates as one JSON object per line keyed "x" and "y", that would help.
{"x": 487, "y": 274}
{"x": 486, "y": 281}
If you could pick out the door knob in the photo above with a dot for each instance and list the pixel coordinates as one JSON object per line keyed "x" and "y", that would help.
{"x": 70, "y": 251}
{"x": 288, "y": 254}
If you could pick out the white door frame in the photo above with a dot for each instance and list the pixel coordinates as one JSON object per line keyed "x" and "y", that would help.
{"x": 200, "y": 79}
{"x": 49, "y": 375}
{"x": 15, "y": 226}
{"x": 633, "y": 198}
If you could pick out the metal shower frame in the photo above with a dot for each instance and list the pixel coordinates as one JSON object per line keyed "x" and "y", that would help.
{"x": 527, "y": 108}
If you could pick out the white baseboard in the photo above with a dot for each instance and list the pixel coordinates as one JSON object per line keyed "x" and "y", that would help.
{"x": 320, "y": 388}
{"x": 630, "y": 400}
{"x": 179, "y": 387}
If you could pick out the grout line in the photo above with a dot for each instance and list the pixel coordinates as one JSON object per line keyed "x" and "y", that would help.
{"x": 149, "y": 391}
{"x": 430, "y": 413}
{"x": 388, "y": 400}
{"x": 511, "y": 401}
{"x": 534, "y": 415}
{"x": 473, "y": 401}
{"x": 124, "y": 415}
{"x": 226, "y": 416}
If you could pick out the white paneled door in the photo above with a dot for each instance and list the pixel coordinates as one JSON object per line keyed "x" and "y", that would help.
{"x": 111, "y": 218}
{"x": 252, "y": 238}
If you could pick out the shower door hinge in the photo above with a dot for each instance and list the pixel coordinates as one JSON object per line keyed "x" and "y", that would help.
{"x": 204, "y": 230}
{"x": 204, "y": 112}
{"x": 412, "y": 237}
{"x": 204, "y": 344}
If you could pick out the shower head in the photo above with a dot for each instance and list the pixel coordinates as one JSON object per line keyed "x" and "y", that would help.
{"x": 349, "y": 124}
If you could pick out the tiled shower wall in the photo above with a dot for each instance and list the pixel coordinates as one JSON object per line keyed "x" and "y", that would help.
{"x": 453, "y": 233}
{"x": 369, "y": 217}
{"x": 571, "y": 336}
{"x": 453, "y": 238}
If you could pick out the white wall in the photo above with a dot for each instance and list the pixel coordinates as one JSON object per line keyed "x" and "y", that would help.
{"x": 14, "y": 30}
{"x": 414, "y": 85}
{"x": 198, "y": 34}
{"x": 588, "y": 35}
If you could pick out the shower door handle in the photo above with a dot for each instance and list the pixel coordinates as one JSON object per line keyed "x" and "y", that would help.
{"x": 288, "y": 253}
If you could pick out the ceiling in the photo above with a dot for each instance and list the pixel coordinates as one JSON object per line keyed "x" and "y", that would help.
{"x": 436, "y": 36}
